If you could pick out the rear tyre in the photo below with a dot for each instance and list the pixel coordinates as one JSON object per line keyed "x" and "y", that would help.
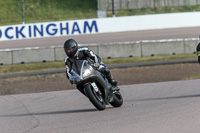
{"x": 117, "y": 99}
{"x": 95, "y": 99}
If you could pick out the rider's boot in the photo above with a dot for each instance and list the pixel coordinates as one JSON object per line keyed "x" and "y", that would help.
{"x": 111, "y": 80}
{"x": 108, "y": 75}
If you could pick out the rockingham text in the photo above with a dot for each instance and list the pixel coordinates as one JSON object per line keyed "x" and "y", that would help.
{"x": 14, "y": 32}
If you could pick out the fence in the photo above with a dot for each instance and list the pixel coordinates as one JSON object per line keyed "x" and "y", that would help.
{"x": 11, "y": 11}
{"x": 45, "y": 10}
{"x": 137, "y": 4}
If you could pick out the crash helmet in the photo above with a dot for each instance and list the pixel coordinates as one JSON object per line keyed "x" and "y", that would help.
{"x": 71, "y": 48}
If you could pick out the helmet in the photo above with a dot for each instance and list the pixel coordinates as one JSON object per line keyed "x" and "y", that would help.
{"x": 71, "y": 47}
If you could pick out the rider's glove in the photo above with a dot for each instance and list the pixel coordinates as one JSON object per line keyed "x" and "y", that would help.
{"x": 72, "y": 80}
{"x": 96, "y": 65}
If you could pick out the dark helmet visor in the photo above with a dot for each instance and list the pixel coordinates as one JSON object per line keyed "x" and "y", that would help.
{"x": 70, "y": 51}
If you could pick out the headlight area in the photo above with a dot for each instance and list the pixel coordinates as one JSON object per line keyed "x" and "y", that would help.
{"x": 87, "y": 72}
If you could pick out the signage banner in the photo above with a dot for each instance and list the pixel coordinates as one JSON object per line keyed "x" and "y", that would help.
{"x": 38, "y": 30}
{"x": 101, "y": 25}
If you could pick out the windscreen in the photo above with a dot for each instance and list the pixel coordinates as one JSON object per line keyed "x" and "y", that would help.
{"x": 77, "y": 65}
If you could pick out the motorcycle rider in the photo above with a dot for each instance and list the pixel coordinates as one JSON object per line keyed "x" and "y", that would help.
{"x": 73, "y": 52}
{"x": 198, "y": 50}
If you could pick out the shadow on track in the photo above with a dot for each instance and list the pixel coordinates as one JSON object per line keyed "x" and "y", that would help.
{"x": 51, "y": 113}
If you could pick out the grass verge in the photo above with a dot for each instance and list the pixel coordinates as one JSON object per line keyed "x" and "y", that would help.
{"x": 6, "y": 69}
{"x": 60, "y": 10}
{"x": 45, "y": 10}
{"x": 193, "y": 77}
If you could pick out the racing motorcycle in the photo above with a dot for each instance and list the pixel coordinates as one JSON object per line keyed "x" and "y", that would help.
{"x": 94, "y": 85}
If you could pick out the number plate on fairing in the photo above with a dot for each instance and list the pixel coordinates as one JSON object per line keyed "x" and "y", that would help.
{"x": 95, "y": 86}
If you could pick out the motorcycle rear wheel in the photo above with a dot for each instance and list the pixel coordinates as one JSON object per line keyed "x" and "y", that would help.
{"x": 94, "y": 98}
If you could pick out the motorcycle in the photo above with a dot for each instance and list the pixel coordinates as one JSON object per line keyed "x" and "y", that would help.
{"x": 94, "y": 85}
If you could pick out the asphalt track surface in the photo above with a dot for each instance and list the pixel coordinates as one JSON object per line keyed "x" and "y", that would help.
{"x": 188, "y": 32}
{"x": 165, "y": 107}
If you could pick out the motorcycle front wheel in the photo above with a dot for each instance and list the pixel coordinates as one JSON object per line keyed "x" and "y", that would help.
{"x": 95, "y": 99}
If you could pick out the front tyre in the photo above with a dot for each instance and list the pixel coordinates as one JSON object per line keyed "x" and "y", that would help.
{"x": 95, "y": 99}
{"x": 117, "y": 99}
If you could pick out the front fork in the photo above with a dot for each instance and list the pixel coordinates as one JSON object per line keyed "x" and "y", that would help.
{"x": 96, "y": 89}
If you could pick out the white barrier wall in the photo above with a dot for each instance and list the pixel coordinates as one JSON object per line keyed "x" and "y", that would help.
{"x": 5, "y": 57}
{"x": 103, "y": 25}
{"x": 116, "y": 50}
{"x": 162, "y": 47}
{"x": 33, "y": 55}
{"x": 190, "y": 45}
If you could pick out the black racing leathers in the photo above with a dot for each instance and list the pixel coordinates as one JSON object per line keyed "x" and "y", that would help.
{"x": 87, "y": 54}
{"x": 198, "y": 52}
{"x": 83, "y": 54}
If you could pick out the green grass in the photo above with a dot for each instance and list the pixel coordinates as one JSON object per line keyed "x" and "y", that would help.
{"x": 30, "y": 67}
{"x": 193, "y": 77}
{"x": 58, "y": 10}
{"x": 45, "y": 10}
{"x": 5, "y": 69}
{"x": 145, "y": 59}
